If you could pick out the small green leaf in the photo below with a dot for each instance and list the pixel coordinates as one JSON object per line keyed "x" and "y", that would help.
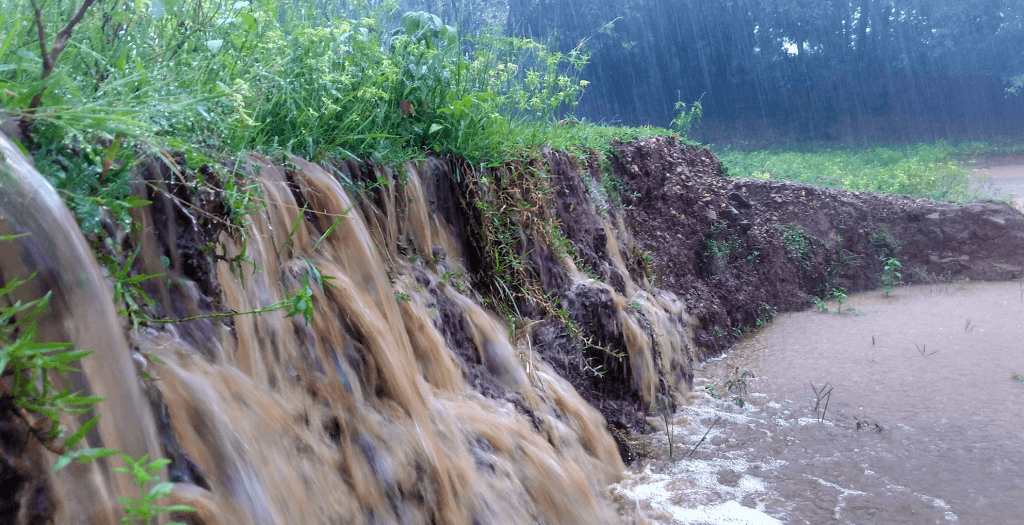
{"x": 134, "y": 201}
{"x": 81, "y": 432}
{"x": 85, "y": 455}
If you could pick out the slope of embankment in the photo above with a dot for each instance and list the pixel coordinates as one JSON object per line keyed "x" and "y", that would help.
{"x": 475, "y": 336}
{"x": 737, "y": 250}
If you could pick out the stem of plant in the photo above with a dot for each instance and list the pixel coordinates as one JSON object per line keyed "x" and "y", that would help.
{"x": 704, "y": 436}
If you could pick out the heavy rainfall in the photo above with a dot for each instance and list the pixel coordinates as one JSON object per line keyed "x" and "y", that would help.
{"x": 523, "y": 261}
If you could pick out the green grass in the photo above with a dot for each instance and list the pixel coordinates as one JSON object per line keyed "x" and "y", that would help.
{"x": 992, "y": 148}
{"x": 931, "y": 171}
{"x": 226, "y": 78}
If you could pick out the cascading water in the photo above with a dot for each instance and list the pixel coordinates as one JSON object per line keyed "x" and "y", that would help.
{"x": 81, "y": 312}
{"x": 404, "y": 401}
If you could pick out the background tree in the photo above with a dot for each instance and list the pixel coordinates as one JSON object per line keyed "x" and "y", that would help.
{"x": 772, "y": 70}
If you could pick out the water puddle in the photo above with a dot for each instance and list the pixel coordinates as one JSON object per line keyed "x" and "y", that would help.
{"x": 907, "y": 411}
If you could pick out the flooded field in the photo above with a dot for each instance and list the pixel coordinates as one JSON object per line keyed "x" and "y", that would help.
{"x": 906, "y": 410}
{"x": 1002, "y": 177}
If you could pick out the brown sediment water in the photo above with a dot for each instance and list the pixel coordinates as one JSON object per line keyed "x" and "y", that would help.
{"x": 364, "y": 415}
{"x": 924, "y": 420}
{"x": 81, "y": 312}
{"x": 403, "y": 401}
{"x": 1001, "y": 177}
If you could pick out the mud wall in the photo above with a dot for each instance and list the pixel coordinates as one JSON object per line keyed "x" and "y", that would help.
{"x": 736, "y": 250}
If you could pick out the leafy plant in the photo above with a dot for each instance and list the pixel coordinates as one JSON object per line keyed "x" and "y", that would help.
{"x": 29, "y": 365}
{"x": 843, "y": 262}
{"x": 1016, "y": 85}
{"x": 719, "y": 246}
{"x": 819, "y": 304}
{"x": 765, "y": 314}
{"x": 839, "y": 295}
{"x": 799, "y": 245}
{"x": 737, "y": 385}
{"x": 917, "y": 170}
{"x": 890, "y": 273}
{"x": 686, "y": 119}
{"x": 127, "y": 289}
{"x": 144, "y": 509}
{"x": 752, "y": 258}
{"x": 93, "y": 180}
{"x": 886, "y": 241}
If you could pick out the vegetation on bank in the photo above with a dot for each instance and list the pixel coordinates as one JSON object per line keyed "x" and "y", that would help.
{"x": 231, "y": 77}
{"x": 934, "y": 171}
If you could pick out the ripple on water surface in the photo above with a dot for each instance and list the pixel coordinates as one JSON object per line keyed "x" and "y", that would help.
{"x": 924, "y": 423}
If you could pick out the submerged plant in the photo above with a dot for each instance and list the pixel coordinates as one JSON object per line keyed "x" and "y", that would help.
{"x": 663, "y": 408}
{"x": 737, "y": 385}
{"x": 705, "y": 436}
{"x": 821, "y": 394}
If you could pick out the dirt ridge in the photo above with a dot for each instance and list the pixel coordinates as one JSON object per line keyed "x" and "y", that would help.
{"x": 732, "y": 247}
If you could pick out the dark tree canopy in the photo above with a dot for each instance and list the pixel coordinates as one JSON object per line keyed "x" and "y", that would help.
{"x": 776, "y": 70}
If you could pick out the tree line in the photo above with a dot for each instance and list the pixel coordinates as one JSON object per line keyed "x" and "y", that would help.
{"x": 778, "y": 70}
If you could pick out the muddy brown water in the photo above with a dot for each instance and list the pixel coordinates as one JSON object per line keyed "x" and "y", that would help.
{"x": 1001, "y": 177}
{"x": 926, "y": 374}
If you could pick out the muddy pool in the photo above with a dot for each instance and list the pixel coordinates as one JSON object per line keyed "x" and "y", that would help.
{"x": 907, "y": 409}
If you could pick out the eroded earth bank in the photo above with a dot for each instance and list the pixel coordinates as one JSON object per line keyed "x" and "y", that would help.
{"x": 481, "y": 341}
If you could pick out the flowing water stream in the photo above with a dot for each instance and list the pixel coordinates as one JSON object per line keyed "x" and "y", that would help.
{"x": 924, "y": 420}
{"x": 403, "y": 401}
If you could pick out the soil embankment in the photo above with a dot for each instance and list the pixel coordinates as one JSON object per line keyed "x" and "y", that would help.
{"x": 737, "y": 249}
{"x": 477, "y": 318}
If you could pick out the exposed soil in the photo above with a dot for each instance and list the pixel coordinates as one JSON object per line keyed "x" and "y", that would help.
{"x": 735, "y": 249}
